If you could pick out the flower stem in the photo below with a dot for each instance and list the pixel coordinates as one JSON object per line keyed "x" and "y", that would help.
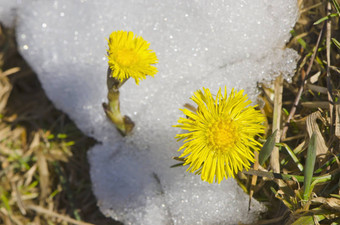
{"x": 112, "y": 109}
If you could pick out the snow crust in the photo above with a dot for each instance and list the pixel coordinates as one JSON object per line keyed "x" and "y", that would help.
{"x": 199, "y": 44}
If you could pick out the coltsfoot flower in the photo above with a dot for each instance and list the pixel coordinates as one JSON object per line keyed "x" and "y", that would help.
{"x": 130, "y": 56}
{"x": 221, "y": 134}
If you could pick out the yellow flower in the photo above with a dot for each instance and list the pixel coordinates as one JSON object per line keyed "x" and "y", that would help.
{"x": 129, "y": 56}
{"x": 220, "y": 138}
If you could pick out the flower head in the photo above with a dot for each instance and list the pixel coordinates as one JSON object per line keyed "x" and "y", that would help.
{"x": 221, "y": 134}
{"x": 130, "y": 56}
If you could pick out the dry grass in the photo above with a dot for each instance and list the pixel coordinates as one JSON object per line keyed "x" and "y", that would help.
{"x": 301, "y": 191}
{"x": 44, "y": 177}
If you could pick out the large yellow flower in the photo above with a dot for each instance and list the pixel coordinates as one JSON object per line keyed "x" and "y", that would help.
{"x": 220, "y": 138}
{"x": 130, "y": 56}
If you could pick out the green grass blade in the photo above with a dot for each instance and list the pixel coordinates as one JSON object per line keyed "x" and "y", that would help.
{"x": 300, "y": 40}
{"x": 309, "y": 167}
{"x": 308, "y": 220}
{"x": 328, "y": 163}
{"x": 335, "y": 196}
{"x": 336, "y": 6}
{"x": 267, "y": 148}
{"x": 61, "y": 136}
{"x": 293, "y": 156}
{"x": 317, "y": 181}
{"x": 271, "y": 175}
{"x": 336, "y": 43}
{"x": 5, "y": 202}
{"x": 326, "y": 18}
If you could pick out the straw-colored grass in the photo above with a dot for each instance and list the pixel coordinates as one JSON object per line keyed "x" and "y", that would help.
{"x": 300, "y": 178}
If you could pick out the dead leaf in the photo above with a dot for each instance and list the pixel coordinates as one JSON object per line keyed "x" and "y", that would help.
{"x": 337, "y": 120}
{"x": 312, "y": 126}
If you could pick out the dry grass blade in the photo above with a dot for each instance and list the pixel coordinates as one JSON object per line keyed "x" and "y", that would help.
{"x": 332, "y": 203}
{"x": 18, "y": 198}
{"x": 278, "y": 89}
{"x": 253, "y": 179}
{"x": 310, "y": 7}
{"x": 328, "y": 77}
{"x": 313, "y": 127}
{"x": 317, "y": 88}
{"x": 43, "y": 173}
{"x": 316, "y": 104}
{"x": 5, "y": 90}
{"x": 9, "y": 72}
{"x": 190, "y": 107}
{"x": 50, "y": 213}
{"x": 337, "y": 120}
{"x": 298, "y": 96}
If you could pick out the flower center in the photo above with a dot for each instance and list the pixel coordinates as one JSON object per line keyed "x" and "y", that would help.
{"x": 126, "y": 57}
{"x": 223, "y": 134}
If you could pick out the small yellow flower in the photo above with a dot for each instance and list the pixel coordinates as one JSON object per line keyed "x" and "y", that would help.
{"x": 129, "y": 56}
{"x": 220, "y": 137}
